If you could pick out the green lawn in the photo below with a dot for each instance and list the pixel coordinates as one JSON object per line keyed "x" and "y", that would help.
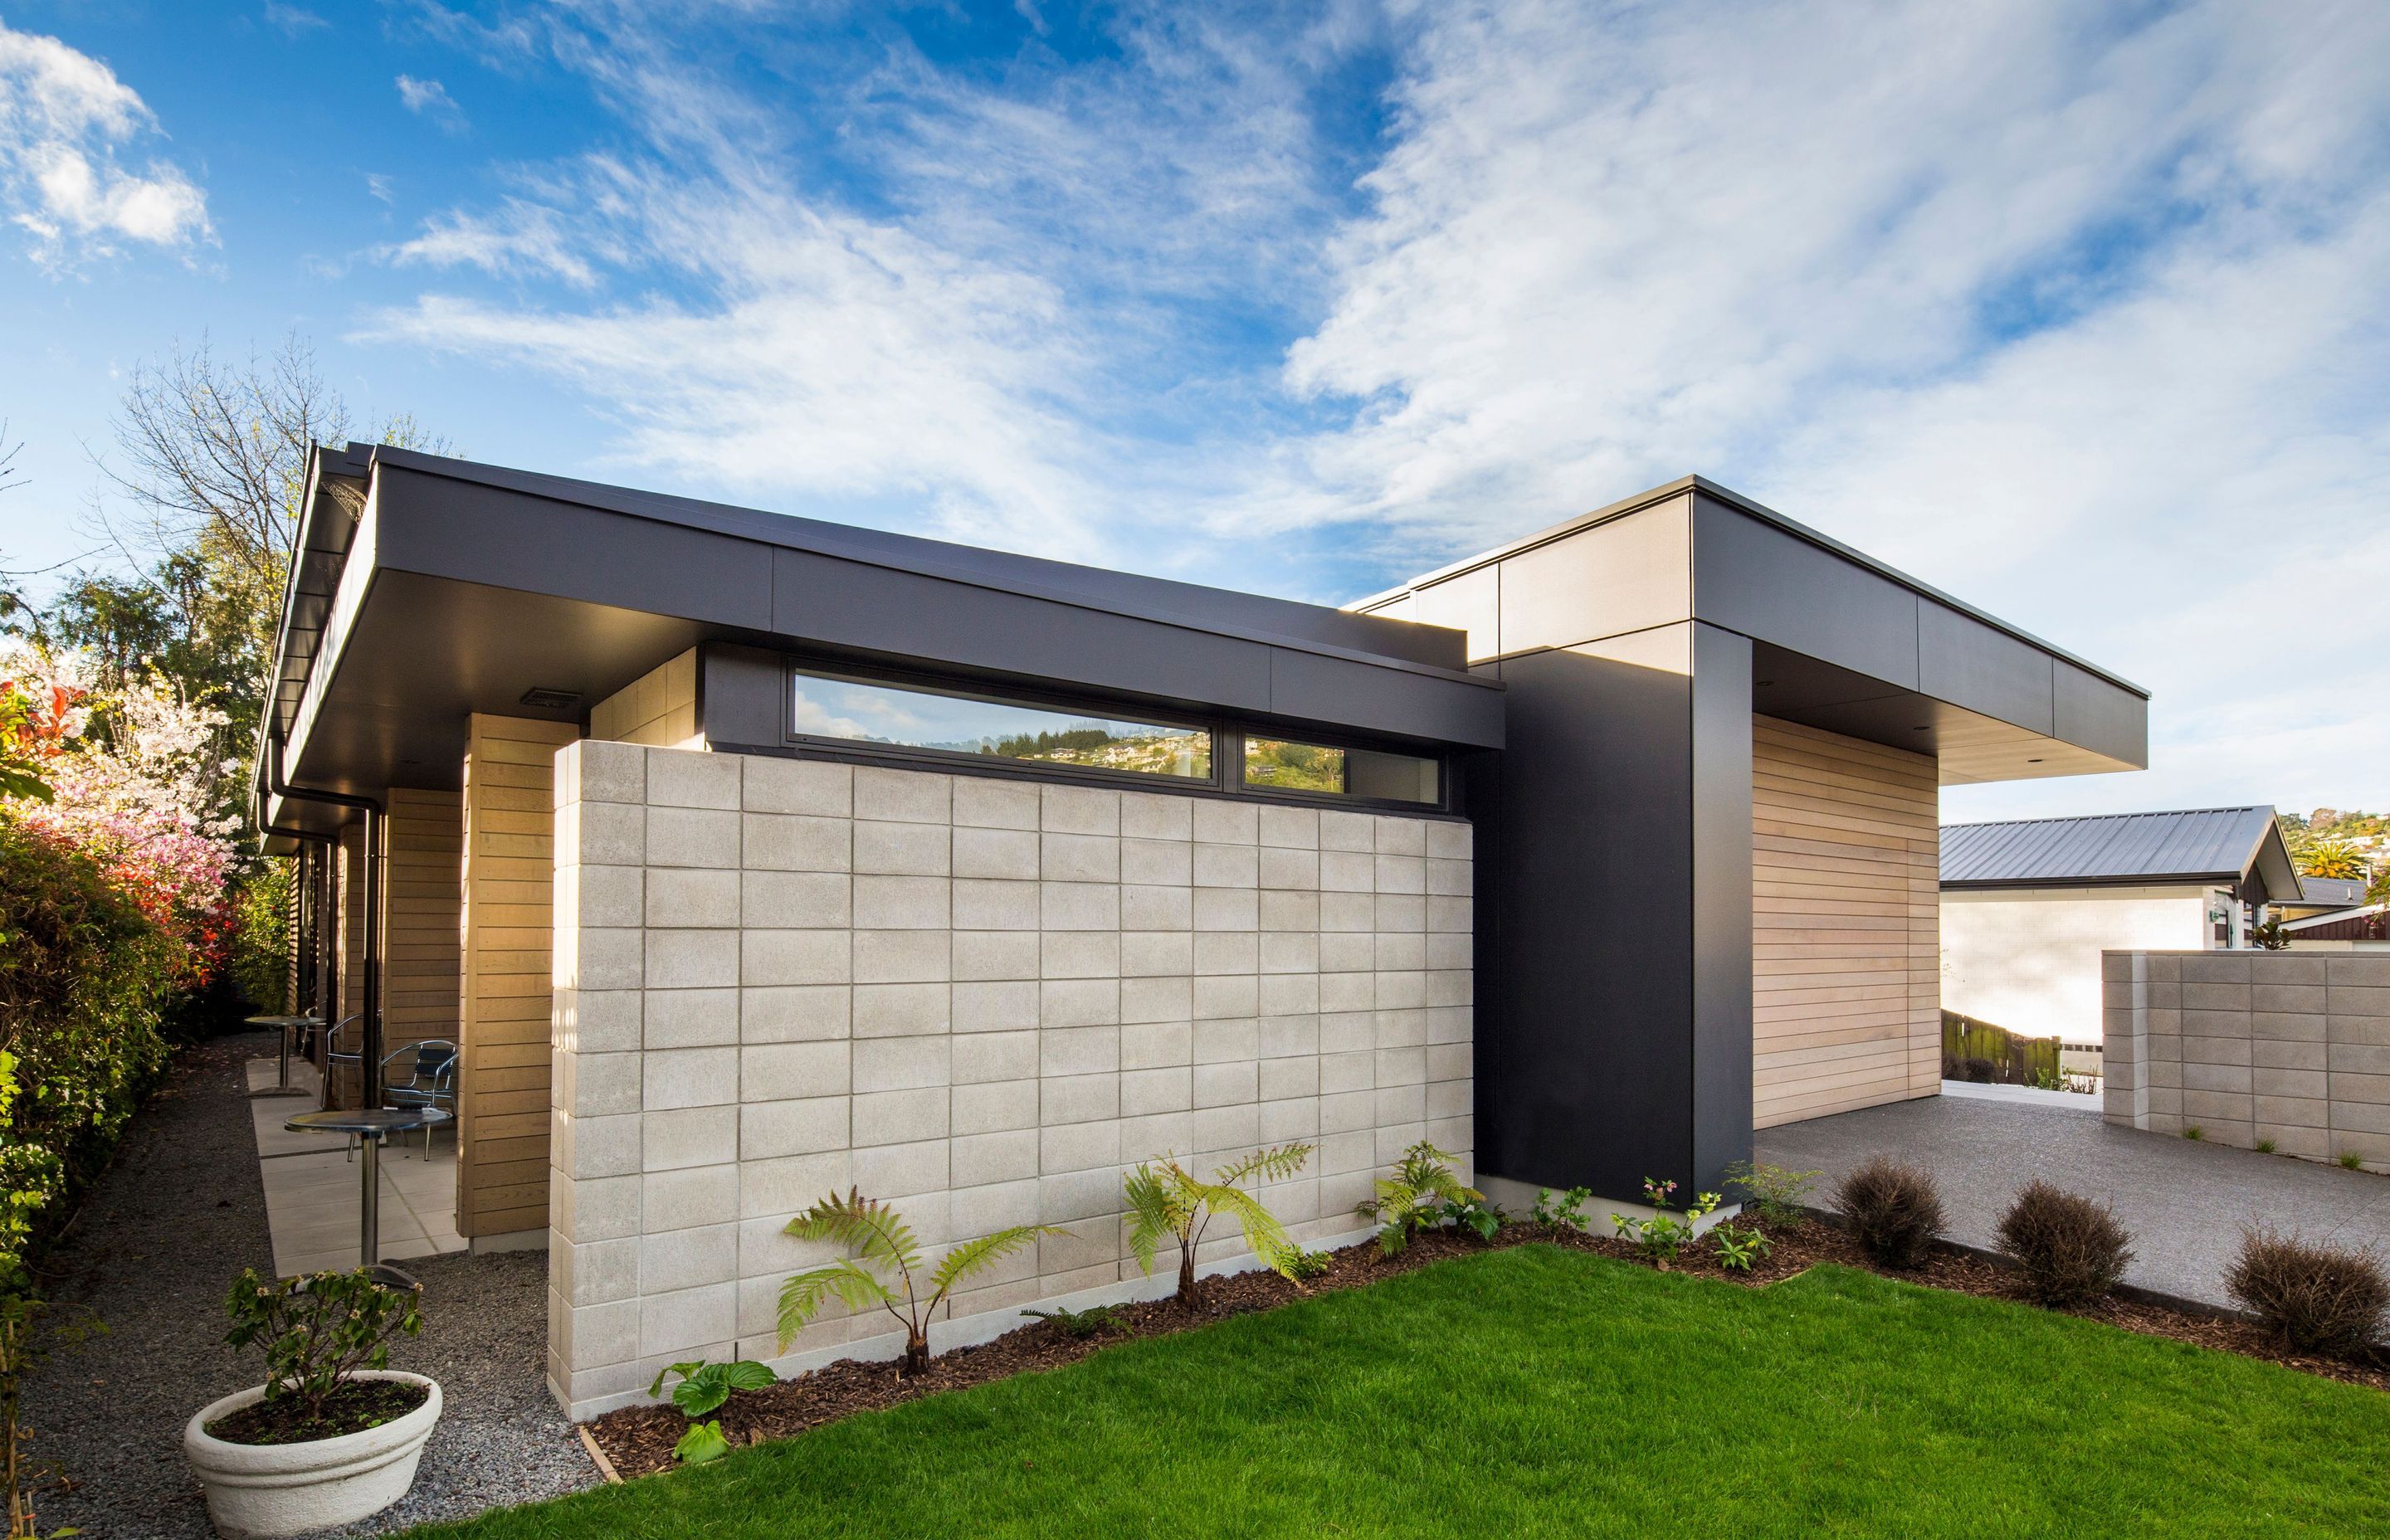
{"x": 1534, "y": 1392}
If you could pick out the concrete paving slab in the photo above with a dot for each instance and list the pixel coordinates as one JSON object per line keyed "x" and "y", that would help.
{"x": 2186, "y": 1203}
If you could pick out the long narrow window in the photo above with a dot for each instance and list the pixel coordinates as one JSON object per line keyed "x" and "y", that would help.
{"x": 868, "y": 711}
{"x": 1282, "y": 764}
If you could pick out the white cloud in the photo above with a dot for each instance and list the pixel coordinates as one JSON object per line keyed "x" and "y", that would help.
{"x": 428, "y": 98}
{"x": 292, "y": 20}
{"x": 2076, "y": 311}
{"x": 63, "y": 117}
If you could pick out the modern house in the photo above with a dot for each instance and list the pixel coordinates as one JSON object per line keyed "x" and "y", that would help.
{"x": 749, "y": 857}
{"x": 2028, "y": 906}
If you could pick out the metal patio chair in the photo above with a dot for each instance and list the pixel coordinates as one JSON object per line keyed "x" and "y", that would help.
{"x": 430, "y": 1078}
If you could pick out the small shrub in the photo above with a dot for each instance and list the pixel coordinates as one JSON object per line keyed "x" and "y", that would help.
{"x": 1472, "y": 1216}
{"x": 1303, "y": 1267}
{"x": 1664, "y": 1235}
{"x": 2320, "y": 1299}
{"x": 1417, "y": 1197}
{"x": 1980, "y": 1071}
{"x": 1778, "y": 1196}
{"x": 1893, "y": 1211}
{"x": 1739, "y": 1245}
{"x": 703, "y": 1388}
{"x": 2266, "y": 1147}
{"x": 1092, "y": 1322}
{"x": 1565, "y": 1212}
{"x": 2352, "y": 1159}
{"x": 2194, "y": 1132}
{"x": 2072, "y": 1250}
{"x": 317, "y": 1329}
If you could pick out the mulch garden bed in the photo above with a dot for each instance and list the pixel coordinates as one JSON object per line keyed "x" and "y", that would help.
{"x": 638, "y": 1441}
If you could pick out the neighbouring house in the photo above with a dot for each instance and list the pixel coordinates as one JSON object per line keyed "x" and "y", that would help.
{"x": 751, "y": 857}
{"x": 2320, "y": 895}
{"x": 2028, "y": 906}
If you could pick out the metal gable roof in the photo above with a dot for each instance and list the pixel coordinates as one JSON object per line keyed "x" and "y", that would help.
{"x": 2217, "y": 843}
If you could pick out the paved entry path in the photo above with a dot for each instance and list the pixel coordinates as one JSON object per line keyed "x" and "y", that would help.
{"x": 2184, "y": 1201}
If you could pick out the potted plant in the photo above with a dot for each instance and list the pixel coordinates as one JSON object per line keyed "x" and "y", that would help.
{"x": 334, "y": 1433}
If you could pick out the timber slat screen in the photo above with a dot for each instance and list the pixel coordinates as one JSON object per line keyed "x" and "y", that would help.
{"x": 1846, "y": 960}
{"x": 509, "y": 893}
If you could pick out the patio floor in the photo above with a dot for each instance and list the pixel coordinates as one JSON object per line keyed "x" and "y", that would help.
{"x": 313, "y": 1186}
{"x": 2184, "y": 1201}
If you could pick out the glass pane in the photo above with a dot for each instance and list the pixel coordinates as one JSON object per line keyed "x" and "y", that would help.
{"x": 1280, "y": 764}
{"x": 923, "y": 719}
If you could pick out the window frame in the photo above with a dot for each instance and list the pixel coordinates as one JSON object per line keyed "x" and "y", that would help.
{"x": 1227, "y": 736}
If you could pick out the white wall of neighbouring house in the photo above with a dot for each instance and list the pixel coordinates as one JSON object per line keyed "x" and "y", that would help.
{"x": 2029, "y": 958}
{"x": 980, "y": 999}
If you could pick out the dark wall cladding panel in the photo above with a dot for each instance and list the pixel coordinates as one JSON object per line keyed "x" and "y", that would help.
{"x": 1629, "y": 574}
{"x": 1721, "y": 852}
{"x": 1307, "y": 686}
{"x": 1968, "y": 663}
{"x": 1472, "y": 602}
{"x": 740, "y": 694}
{"x": 1585, "y": 1065}
{"x": 2103, "y": 717}
{"x": 904, "y": 615}
{"x": 1751, "y": 577}
{"x": 475, "y": 534}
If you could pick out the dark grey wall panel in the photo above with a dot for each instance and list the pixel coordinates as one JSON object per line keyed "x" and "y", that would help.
{"x": 474, "y": 533}
{"x": 1968, "y": 663}
{"x": 1584, "y": 1053}
{"x": 2103, "y": 717}
{"x": 1721, "y": 943}
{"x": 1319, "y": 688}
{"x": 741, "y": 693}
{"x": 1629, "y": 574}
{"x": 1753, "y": 577}
{"x": 903, "y": 615}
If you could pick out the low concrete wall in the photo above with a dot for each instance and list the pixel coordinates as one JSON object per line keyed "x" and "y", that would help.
{"x": 2250, "y": 1046}
{"x": 982, "y": 999}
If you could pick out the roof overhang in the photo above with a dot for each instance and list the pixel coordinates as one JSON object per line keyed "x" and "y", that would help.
{"x": 429, "y": 589}
{"x": 1840, "y": 641}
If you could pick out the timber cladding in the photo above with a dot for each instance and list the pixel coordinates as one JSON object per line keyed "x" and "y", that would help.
{"x": 1845, "y": 957}
{"x": 505, "y": 990}
{"x": 420, "y": 939}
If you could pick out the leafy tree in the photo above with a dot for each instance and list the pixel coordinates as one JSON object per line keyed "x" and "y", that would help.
{"x": 1166, "y": 1201}
{"x": 883, "y": 1245}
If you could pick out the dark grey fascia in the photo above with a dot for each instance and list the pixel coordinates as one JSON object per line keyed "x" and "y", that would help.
{"x": 474, "y": 590}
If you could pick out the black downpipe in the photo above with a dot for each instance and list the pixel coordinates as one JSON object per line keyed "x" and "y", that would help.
{"x": 370, "y": 974}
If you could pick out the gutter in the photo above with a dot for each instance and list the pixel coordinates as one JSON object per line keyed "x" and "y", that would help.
{"x": 369, "y": 975}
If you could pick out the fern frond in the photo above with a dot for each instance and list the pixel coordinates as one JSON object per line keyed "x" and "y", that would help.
{"x": 802, "y": 1294}
{"x": 874, "y": 1231}
{"x": 973, "y": 1256}
{"x": 1154, "y": 1211}
{"x": 1264, "y": 1233}
{"x": 1270, "y": 1164}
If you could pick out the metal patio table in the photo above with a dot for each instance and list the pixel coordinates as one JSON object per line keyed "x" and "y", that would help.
{"x": 369, "y": 1126}
{"x": 283, "y": 1025}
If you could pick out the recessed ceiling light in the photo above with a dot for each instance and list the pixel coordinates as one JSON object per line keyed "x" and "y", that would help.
{"x": 2033, "y": 762}
{"x": 1926, "y": 729}
{"x": 550, "y": 700}
{"x": 1763, "y": 684}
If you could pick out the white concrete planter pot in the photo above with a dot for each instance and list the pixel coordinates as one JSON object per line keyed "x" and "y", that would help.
{"x": 274, "y": 1489}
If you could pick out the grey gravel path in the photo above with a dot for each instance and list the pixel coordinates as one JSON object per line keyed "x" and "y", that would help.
{"x": 153, "y": 1255}
{"x": 2184, "y": 1201}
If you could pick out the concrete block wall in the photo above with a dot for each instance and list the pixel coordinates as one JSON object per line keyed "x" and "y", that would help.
{"x": 2250, "y": 1047}
{"x": 980, "y": 999}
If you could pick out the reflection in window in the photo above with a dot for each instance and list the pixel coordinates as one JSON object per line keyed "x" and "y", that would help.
{"x": 867, "y": 713}
{"x": 1279, "y": 764}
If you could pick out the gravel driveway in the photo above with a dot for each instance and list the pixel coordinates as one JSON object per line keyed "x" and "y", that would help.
{"x": 153, "y": 1255}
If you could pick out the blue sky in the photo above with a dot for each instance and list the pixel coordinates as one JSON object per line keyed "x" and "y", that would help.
{"x": 2077, "y": 310}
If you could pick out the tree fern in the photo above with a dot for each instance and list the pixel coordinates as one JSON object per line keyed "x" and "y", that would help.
{"x": 883, "y": 1269}
{"x": 1411, "y": 1198}
{"x": 1166, "y": 1202}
